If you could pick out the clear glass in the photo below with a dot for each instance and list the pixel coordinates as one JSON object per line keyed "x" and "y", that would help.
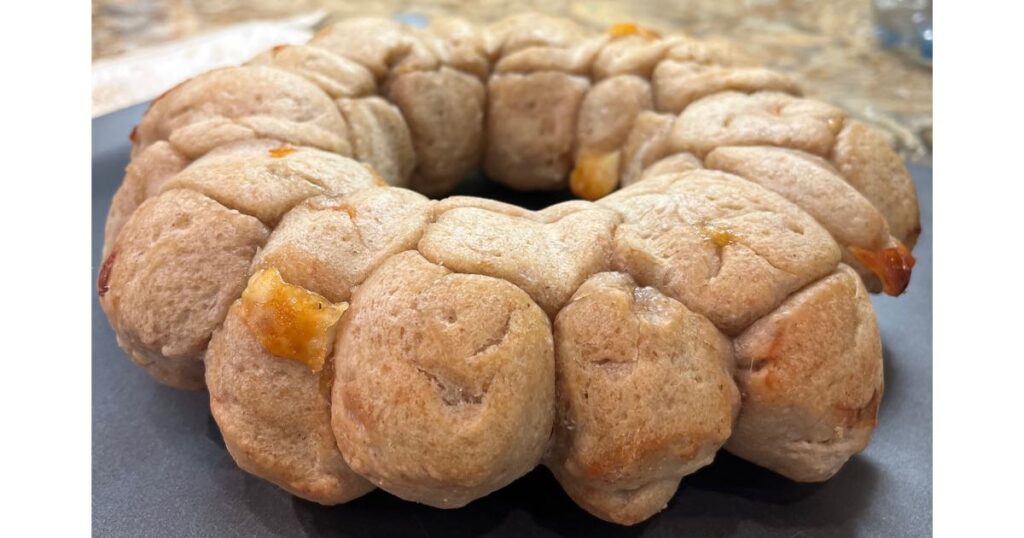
{"x": 905, "y": 26}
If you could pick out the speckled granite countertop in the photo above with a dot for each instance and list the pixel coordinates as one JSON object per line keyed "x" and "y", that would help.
{"x": 829, "y": 46}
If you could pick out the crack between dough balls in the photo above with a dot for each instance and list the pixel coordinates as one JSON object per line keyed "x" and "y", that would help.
{"x": 463, "y": 396}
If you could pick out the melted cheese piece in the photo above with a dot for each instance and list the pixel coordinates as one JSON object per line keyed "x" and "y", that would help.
{"x": 716, "y": 234}
{"x": 595, "y": 175}
{"x": 623, "y": 29}
{"x": 288, "y": 320}
{"x": 282, "y": 151}
{"x": 892, "y": 265}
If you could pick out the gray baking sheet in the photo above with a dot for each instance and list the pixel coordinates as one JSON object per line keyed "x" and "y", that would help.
{"x": 160, "y": 468}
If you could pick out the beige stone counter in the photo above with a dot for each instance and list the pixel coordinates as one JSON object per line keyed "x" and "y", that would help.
{"x": 140, "y": 48}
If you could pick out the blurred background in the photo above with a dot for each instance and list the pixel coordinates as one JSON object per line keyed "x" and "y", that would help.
{"x": 873, "y": 57}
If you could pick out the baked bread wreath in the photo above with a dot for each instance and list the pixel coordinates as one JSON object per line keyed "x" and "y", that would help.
{"x": 273, "y": 241}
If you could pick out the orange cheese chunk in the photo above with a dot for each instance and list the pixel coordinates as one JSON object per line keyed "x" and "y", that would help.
{"x": 623, "y": 29}
{"x": 282, "y": 151}
{"x": 595, "y": 175}
{"x": 288, "y": 320}
{"x": 892, "y": 265}
{"x": 716, "y": 234}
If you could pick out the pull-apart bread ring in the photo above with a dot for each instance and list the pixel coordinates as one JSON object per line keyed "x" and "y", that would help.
{"x": 273, "y": 241}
